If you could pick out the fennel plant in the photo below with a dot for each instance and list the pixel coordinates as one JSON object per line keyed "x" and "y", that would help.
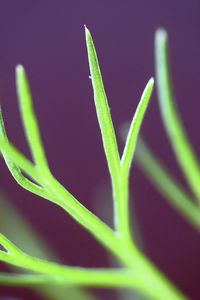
{"x": 137, "y": 272}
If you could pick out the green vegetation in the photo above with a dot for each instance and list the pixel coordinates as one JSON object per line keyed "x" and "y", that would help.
{"x": 137, "y": 272}
{"x": 187, "y": 204}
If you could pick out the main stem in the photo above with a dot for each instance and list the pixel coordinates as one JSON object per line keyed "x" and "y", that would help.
{"x": 155, "y": 285}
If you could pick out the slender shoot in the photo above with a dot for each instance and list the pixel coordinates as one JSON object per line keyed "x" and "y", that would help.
{"x": 172, "y": 121}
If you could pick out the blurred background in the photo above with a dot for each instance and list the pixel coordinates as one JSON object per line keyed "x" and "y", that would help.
{"x": 47, "y": 37}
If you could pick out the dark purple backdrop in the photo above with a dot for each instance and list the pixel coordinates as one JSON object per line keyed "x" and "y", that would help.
{"x": 47, "y": 37}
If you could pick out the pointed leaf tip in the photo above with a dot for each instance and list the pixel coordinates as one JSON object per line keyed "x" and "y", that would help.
{"x": 19, "y": 69}
{"x": 150, "y": 82}
{"x": 161, "y": 34}
{"x": 87, "y": 34}
{"x": 134, "y": 129}
{"x": 149, "y": 86}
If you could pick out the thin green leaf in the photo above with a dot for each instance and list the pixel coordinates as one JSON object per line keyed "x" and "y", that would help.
{"x": 103, "y": 111}
{"x": 166, "y": 184}
{"x": 14, "y": 169}
{"x": 29, "y": 119}
{"x": 171, "y": 118}
{"x": 106, "y": 126}
{"x": 126, "y": 160}
{"x": 82, "y": 277}
{"x": 29, "y": 280}
{"x": 131, "y": 140}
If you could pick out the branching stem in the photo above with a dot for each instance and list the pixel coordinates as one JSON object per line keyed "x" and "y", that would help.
{"x": 137, "y": 272}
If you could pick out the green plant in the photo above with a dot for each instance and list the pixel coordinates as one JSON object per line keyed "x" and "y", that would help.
{"x": 187, "y": 204}
{"x": 137, "y": 271}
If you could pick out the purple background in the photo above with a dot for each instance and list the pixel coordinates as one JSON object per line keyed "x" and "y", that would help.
{"x": 47, "y": 37}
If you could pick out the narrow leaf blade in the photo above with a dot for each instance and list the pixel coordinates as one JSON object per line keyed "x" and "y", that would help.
{"x": 13, "y": 167}
{"x": 102, "y": 109}
{"x": 29, "y": 118}
{"x": 173, "y": 124}
{"x": 136, "y": 123}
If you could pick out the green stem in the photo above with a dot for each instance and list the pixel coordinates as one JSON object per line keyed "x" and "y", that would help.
{"x": 141, "y": 275}
{"x": 122, "y": 196}
{"x": 121, "y": 245}
{"x": 155, "y": 285}
{"x": 104, "y": 234}
{"x": 185, "y": 155}
{"x": 58, "y": 274}
{"x": 102, "y": 278}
